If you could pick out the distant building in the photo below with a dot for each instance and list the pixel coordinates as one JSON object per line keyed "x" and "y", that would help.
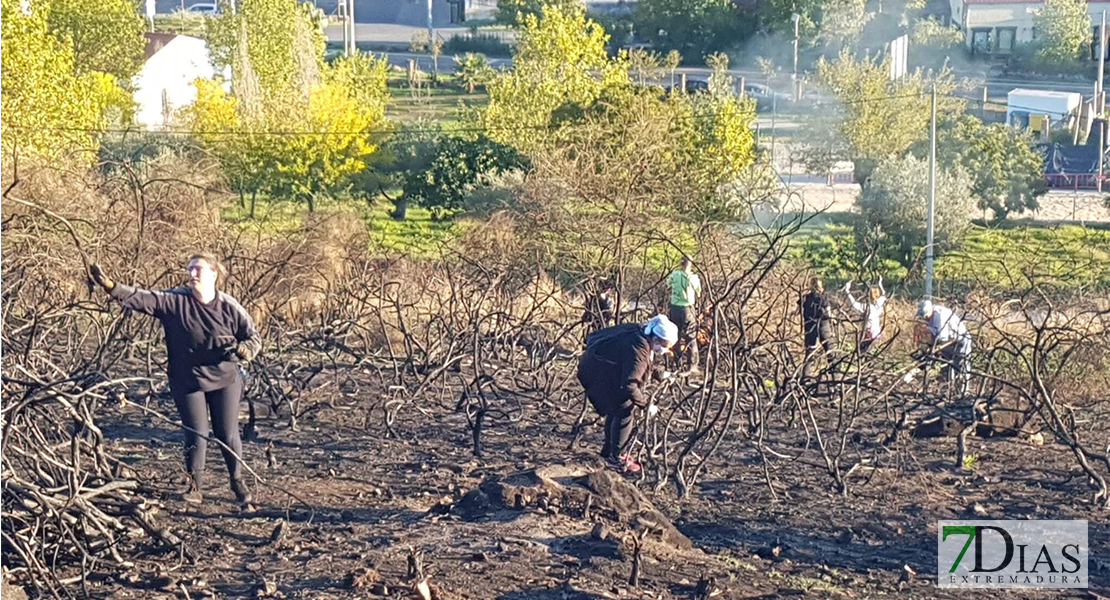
{"x": 165, "y": 82}
{"x": 412, "y": 13}
{"x": 997, "y": 27}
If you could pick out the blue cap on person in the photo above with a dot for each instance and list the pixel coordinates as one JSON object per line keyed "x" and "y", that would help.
{"x": 662, "y": 327}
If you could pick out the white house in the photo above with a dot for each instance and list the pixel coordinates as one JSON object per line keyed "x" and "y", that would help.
{"x": 165, "y": 82}
{"x": 995, "y": 27}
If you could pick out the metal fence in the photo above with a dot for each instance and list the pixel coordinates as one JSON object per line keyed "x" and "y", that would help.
{"x": 1074, "y": 181}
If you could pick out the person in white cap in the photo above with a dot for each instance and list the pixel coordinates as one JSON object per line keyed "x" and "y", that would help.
{"x": 615, "y": 370}
{"x": 950, "y": 338}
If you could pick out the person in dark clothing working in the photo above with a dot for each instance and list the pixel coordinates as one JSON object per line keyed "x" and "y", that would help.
{"x": 614, "y": 371}
{"x": 599, "y": 308}
{"x": 816, "y": 322}
{"x": 207, "y": 334}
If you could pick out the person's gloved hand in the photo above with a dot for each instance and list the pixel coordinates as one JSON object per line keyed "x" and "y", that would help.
{"x": 98, "y": 276}
{"x": 652, "y": 410}
{"x": 234, "y": 351}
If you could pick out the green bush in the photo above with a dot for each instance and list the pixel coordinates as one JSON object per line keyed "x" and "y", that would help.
{"x": 182, "y": 23}
{"x": 481, "y": 43}
{"x": 454, "y": 168}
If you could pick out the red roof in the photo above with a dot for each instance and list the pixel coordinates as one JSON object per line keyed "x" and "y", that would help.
{"x": 157, "y": 41}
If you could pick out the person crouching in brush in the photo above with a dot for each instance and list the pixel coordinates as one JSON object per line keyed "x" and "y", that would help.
{"x": 207, "y": 333}
{"x": 615, "y": 370}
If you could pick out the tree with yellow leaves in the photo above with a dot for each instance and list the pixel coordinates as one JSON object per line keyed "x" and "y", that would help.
{"x": 293, "y": 126}
{"x": 51, "y": 110}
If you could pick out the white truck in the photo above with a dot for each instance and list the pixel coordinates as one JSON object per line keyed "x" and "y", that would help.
{"x": 1058, "y": 107}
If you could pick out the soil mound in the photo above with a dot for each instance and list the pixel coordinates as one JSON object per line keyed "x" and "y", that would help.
{"x": 573, "y": 490}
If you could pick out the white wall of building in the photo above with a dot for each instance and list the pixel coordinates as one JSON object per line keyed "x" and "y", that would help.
{"x": 166, "y": 79}
{"x": 1015, "y": 17}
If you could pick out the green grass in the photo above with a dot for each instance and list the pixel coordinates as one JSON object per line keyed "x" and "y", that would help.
{"x": 1067, "y": 255}
{"x": 1011, "y": 256}
{"x": 444, "y": 103}
{"x": 418, "y": 235}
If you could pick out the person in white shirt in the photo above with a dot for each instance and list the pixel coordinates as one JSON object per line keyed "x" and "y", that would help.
{"x": 872, "y": 312}
{"x": 950, "y": 337}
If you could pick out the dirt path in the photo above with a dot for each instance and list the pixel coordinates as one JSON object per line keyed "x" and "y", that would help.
{"x": 1056, "y": 207}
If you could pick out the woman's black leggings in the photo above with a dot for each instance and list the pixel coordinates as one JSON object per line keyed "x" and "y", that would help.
{"x": 224, "y": 405}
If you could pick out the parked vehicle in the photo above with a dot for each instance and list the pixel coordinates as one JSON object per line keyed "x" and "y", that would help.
{"x": 206, "y": 8}
{"x": 765, "y": 97}
{"x": 1024, "y": 106}
{"x": 693, "y": 86}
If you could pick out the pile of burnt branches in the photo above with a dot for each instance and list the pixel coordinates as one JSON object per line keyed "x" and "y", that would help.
{"x": 70, "y": 508}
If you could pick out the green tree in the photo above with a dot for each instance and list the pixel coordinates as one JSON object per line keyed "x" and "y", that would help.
{"x": 107, "y": 35}
{"x": 893, "y": 208}
{"x": 312, "y": 164}
{"x": 930, "y": 32}
{"x": 878, "y": 119}
{"x": 365, "y": 78}
{"x": 559, "y": 60}
{"x": 473, "y": 70}
{"x": 295, "y": 127}
{"x": 775, "y": 17}
{"x": 409, "y": 150}
{"x": 282, "y": 40}
{"x": 671, "y": 62}
{"x": 842, "y": 21}
{"x": 1007, "y": 171}
{"x": 455, "y": 166}
{"x": 693, "y": 27}
{"x": 49, "y": 108}
{"x": 245, "y": 152}
{"x": 933, "y": 43}
{"x": 514, "y": 12}
{"x": 565, "y": 94}
{"x": 643, "y": 63}
{"x": 1064, "y": 31}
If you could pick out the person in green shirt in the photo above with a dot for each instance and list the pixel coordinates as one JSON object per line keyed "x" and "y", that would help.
{"x": 685, "y": 289}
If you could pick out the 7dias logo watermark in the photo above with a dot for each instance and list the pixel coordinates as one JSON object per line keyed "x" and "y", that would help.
{"x": 1012, "y": 554}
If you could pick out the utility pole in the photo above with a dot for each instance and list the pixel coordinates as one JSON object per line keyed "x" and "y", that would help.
{"x": 1101, "y": 150}
{"x": 1100, "y": 101}
{"x": 794, "y": 77}
{"x": 351, "y": 20}
{"x": 932, "y": 197}
{"x": 431, "y": 27}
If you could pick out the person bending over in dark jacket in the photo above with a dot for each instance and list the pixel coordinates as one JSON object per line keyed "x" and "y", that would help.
{"x": 614, "y": 371}
{"x": 207, "y": 333}
{"x": 816, "y": 322}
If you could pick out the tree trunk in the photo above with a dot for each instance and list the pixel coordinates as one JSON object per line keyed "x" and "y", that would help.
{"x": 254, "y": 202}
{"x": 401, "y": 209}
{"x": 311, "y": 202}
{"x": 862, "y": 169}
